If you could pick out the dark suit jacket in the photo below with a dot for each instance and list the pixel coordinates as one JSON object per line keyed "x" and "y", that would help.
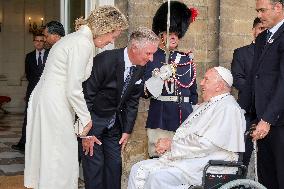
{"x": 33, "y": 71}
{"x": 104, "y": 87}
{"x": 241, "y": 69}
{"x": 268, "y": 78}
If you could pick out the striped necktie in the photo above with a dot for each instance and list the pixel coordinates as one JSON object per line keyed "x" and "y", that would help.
{"x": 127, "y": 80}
{"x": 126, "y": 83}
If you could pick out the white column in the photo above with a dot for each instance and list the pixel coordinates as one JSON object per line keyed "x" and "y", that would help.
{"x": 105, "y": 2}
{"x": 89, "y": 6}
{"x": 64, "y": 7}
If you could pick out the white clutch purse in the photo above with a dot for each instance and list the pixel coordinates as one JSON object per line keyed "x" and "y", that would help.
{"x": 78, "y": 127}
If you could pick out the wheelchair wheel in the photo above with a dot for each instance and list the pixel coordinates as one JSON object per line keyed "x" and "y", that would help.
{"x": 243, "y": 184}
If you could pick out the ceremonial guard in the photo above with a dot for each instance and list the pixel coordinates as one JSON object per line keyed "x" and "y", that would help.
{"x": 172, "y": 107}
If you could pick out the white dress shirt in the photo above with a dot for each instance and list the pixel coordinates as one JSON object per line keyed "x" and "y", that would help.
{"x": 37, "y": 55}
{"x": 274, "y": 29}
{"x": 128, "y": 64}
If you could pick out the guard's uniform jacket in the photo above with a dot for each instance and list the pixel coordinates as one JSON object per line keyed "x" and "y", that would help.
{"x": 175, "y": 103}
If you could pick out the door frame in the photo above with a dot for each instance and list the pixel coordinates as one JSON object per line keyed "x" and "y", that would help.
{"x": 89, "y": 6}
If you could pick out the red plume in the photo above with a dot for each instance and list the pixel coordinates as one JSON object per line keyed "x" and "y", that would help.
{"x": 194, "y": 14}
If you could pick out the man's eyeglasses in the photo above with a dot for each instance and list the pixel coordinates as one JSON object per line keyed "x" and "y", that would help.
{"x": 40, "y": 41}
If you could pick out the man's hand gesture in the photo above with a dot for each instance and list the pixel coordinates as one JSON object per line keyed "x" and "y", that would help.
{"x": 88, "y": 144}
{"x": 123, "y": 140}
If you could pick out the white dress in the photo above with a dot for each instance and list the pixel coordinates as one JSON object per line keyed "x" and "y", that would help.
{"x": 214, "y": 131}
{"x": 51, "y": 152}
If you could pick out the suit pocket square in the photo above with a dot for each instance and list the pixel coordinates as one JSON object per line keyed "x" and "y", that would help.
{"x": 138, "y": 82}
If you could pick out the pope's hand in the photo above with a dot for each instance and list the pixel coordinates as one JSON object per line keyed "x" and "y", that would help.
{"x": 88, "y": 144}
{"x": 163, "y": 145}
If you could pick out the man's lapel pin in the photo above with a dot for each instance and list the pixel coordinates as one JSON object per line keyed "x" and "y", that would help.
{"x": 270, "y": 41}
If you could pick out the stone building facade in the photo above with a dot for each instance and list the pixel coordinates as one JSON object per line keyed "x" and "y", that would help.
{"x": 221, "y": 27}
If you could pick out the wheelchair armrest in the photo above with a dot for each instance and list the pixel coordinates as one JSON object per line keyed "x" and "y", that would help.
{"x": 237, "y": 164}
{"x": 225, "y": 163}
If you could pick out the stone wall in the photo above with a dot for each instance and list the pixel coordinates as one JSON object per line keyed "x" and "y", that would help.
{"x": 236, "y": 18}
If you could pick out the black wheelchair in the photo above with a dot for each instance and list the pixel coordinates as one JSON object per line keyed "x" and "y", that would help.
{"x": 235, "y": 180}
{"x": 226, "y": 181}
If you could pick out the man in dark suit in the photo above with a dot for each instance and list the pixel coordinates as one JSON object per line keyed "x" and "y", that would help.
{"x": 241, "y": 68}
{"x": 34, "y": 65}
{"x": 268, "y": 93}
{"x": 112, "y": 94}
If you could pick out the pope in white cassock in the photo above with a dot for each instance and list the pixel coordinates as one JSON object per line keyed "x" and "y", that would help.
{"x": 213, "y": 131}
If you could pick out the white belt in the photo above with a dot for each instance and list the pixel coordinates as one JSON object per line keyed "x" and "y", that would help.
{"x": 173, "y": 99}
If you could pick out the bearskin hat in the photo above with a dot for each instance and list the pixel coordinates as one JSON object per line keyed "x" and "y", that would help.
{"x": 179, "y": 18}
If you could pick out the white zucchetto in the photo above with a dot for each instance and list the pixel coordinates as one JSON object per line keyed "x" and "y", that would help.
{"x": 225, "y": 74}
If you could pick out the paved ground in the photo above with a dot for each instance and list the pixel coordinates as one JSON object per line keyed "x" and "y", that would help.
{"x": 11, "y": 161}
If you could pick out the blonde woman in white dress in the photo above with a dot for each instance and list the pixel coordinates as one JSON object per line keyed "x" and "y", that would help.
{"x": 51, "y": 152}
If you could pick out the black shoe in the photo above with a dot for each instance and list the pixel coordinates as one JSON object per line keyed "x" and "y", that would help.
{"x": 18, "y": 147}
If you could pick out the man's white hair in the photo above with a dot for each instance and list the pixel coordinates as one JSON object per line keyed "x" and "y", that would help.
{"x": 143, "y": 35}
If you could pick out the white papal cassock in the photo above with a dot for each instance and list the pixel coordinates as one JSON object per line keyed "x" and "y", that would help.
{"x": 51, "y": 153}
{"x": 213, "y": 131}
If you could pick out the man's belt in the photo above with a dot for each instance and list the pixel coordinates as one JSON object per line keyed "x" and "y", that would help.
{"x": 178, "y": 99}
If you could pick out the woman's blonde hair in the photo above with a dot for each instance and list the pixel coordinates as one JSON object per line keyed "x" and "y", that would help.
{"x": 103, "y": 20}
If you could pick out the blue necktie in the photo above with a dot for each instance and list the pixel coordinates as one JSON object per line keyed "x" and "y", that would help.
{"x": 126, "y": 83}
{"x": 127, "y": 80}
